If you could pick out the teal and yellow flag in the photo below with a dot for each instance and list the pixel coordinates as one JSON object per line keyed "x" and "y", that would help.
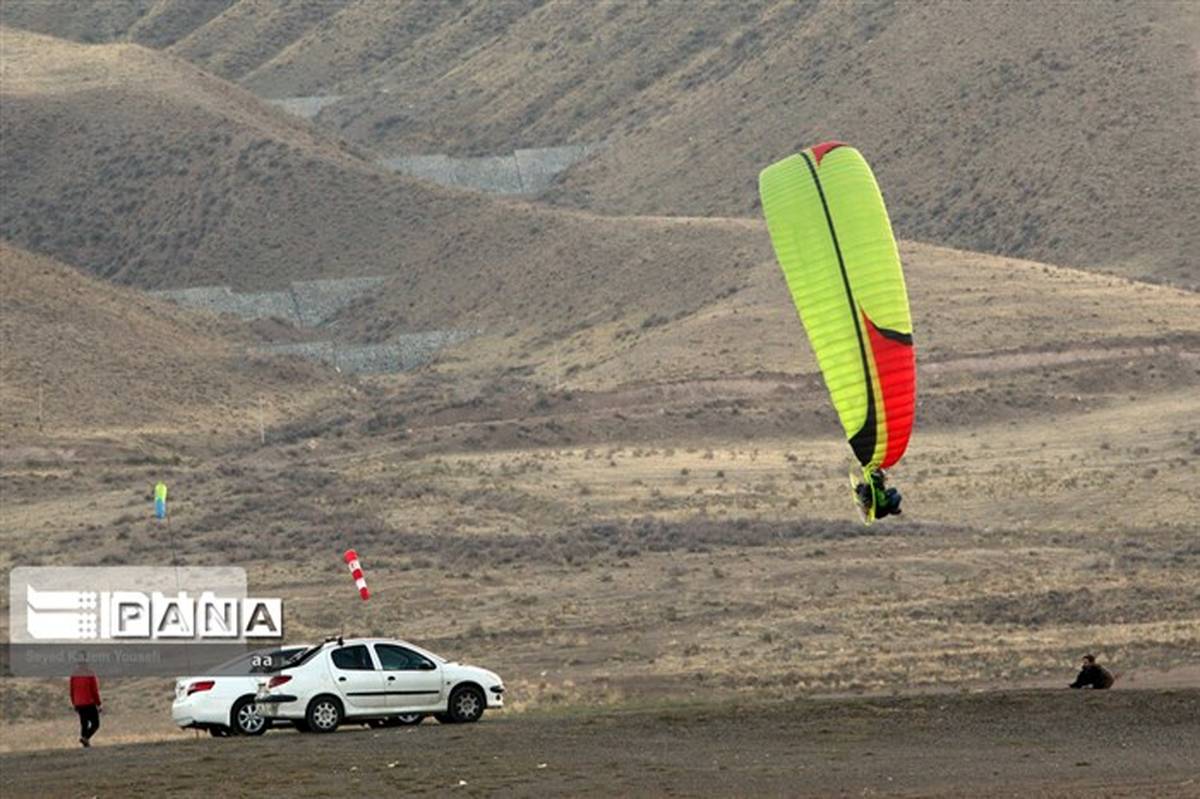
{"x": 160, "y": 500}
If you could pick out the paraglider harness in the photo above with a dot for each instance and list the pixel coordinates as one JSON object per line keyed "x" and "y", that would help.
{"x": 887, "y": 500}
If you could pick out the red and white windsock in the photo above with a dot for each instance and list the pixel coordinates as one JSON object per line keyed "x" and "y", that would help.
{"x": 356, "y": 571}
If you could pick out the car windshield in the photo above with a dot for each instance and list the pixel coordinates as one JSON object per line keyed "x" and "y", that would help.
{"x": 303, "y": 656}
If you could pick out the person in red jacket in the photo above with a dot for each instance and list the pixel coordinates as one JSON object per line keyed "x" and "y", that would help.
{"x": 85, "y": 696}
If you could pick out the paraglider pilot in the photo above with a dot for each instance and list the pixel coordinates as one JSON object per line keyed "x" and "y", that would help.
{"x": 887, "y": 500}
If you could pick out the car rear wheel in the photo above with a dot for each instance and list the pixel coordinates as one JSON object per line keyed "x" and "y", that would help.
{"x": 467, "y": 704}
{"x": 324, "y": 714}
{"x": 245, "y": 718}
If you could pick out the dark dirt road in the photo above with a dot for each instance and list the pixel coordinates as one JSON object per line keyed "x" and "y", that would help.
{"x": 1033, "y": 743}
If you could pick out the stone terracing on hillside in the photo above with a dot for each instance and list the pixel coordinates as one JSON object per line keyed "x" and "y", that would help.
{"x": 311, "y": 303}
{"x": 222, "y": 299}
{"x": 527, "y": 171}
{"x": 523, "y": 172}
{"x": 307, "y": 107}
{"x": 305, "y": 303}
{"x": 403, "y": 352}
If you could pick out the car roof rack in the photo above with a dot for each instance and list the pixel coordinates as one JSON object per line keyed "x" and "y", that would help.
{"x": 333, "y": 638}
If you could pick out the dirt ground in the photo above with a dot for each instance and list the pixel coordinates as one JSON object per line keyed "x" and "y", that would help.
{"x": 1050, "y": 743}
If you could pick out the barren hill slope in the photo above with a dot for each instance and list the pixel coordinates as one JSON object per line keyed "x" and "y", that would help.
{"x": 1065, "y": 134}
{"x": 79, "y": 20}
{"x": 167, "y": 21}
{"x": 136, "y": 166}
{"x": 141, "y": 168}
{"x": 254, "y": 32}
{"x": 158, "y": 23}
{"x": 110, "y": 359}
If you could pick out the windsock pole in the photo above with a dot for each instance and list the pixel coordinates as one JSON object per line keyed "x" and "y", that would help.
{"x": 356, "y": 572}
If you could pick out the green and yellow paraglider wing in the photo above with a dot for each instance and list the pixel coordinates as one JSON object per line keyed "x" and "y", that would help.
{"x": 834, "y": 242}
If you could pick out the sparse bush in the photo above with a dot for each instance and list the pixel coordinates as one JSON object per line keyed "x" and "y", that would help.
{"x": 654, "y": 320}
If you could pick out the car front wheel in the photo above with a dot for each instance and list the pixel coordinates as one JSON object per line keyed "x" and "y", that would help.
{"x": 246, "y": 718}
{"x": 466, "y": 704}
{"x": 324, "y": 714}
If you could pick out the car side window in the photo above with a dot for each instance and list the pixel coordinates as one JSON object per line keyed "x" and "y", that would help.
{"x": 397, "y": 658}
{"x": 353, "y": 658}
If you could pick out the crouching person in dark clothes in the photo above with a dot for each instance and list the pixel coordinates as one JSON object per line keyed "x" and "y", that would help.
{"x": 85, "y": 696}
{"x": 1093, "y": 675}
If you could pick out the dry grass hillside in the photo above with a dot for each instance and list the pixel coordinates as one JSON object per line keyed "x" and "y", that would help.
{"x": 156, "y": 23}
{"x": 87, "y": 21}
{"x": 253, "y": 33}
{"x": 184, "y": 179}
{"x": 1064, "y": 136}
{"x": 167, "y": 21}
{"x": 720, "y": 308}
{"x": 134, "y": 165}
{"x": 143, "y": 169}
{"x": 107, "y": 360}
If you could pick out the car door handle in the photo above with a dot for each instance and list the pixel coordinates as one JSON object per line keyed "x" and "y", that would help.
{"x": 390, "y": 679}
{"x": 341, "y": 679}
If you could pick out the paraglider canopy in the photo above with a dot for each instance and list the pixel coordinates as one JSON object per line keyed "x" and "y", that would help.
{"x": 834, "y": 242}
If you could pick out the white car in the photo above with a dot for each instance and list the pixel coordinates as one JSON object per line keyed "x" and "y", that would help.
{"x": 222, "y": 701}
{"x": 376, "y": 681}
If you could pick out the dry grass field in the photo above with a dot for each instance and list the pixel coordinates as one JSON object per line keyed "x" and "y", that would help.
{"x": 619, "y": 533}
{"x": 104, "y": 360}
